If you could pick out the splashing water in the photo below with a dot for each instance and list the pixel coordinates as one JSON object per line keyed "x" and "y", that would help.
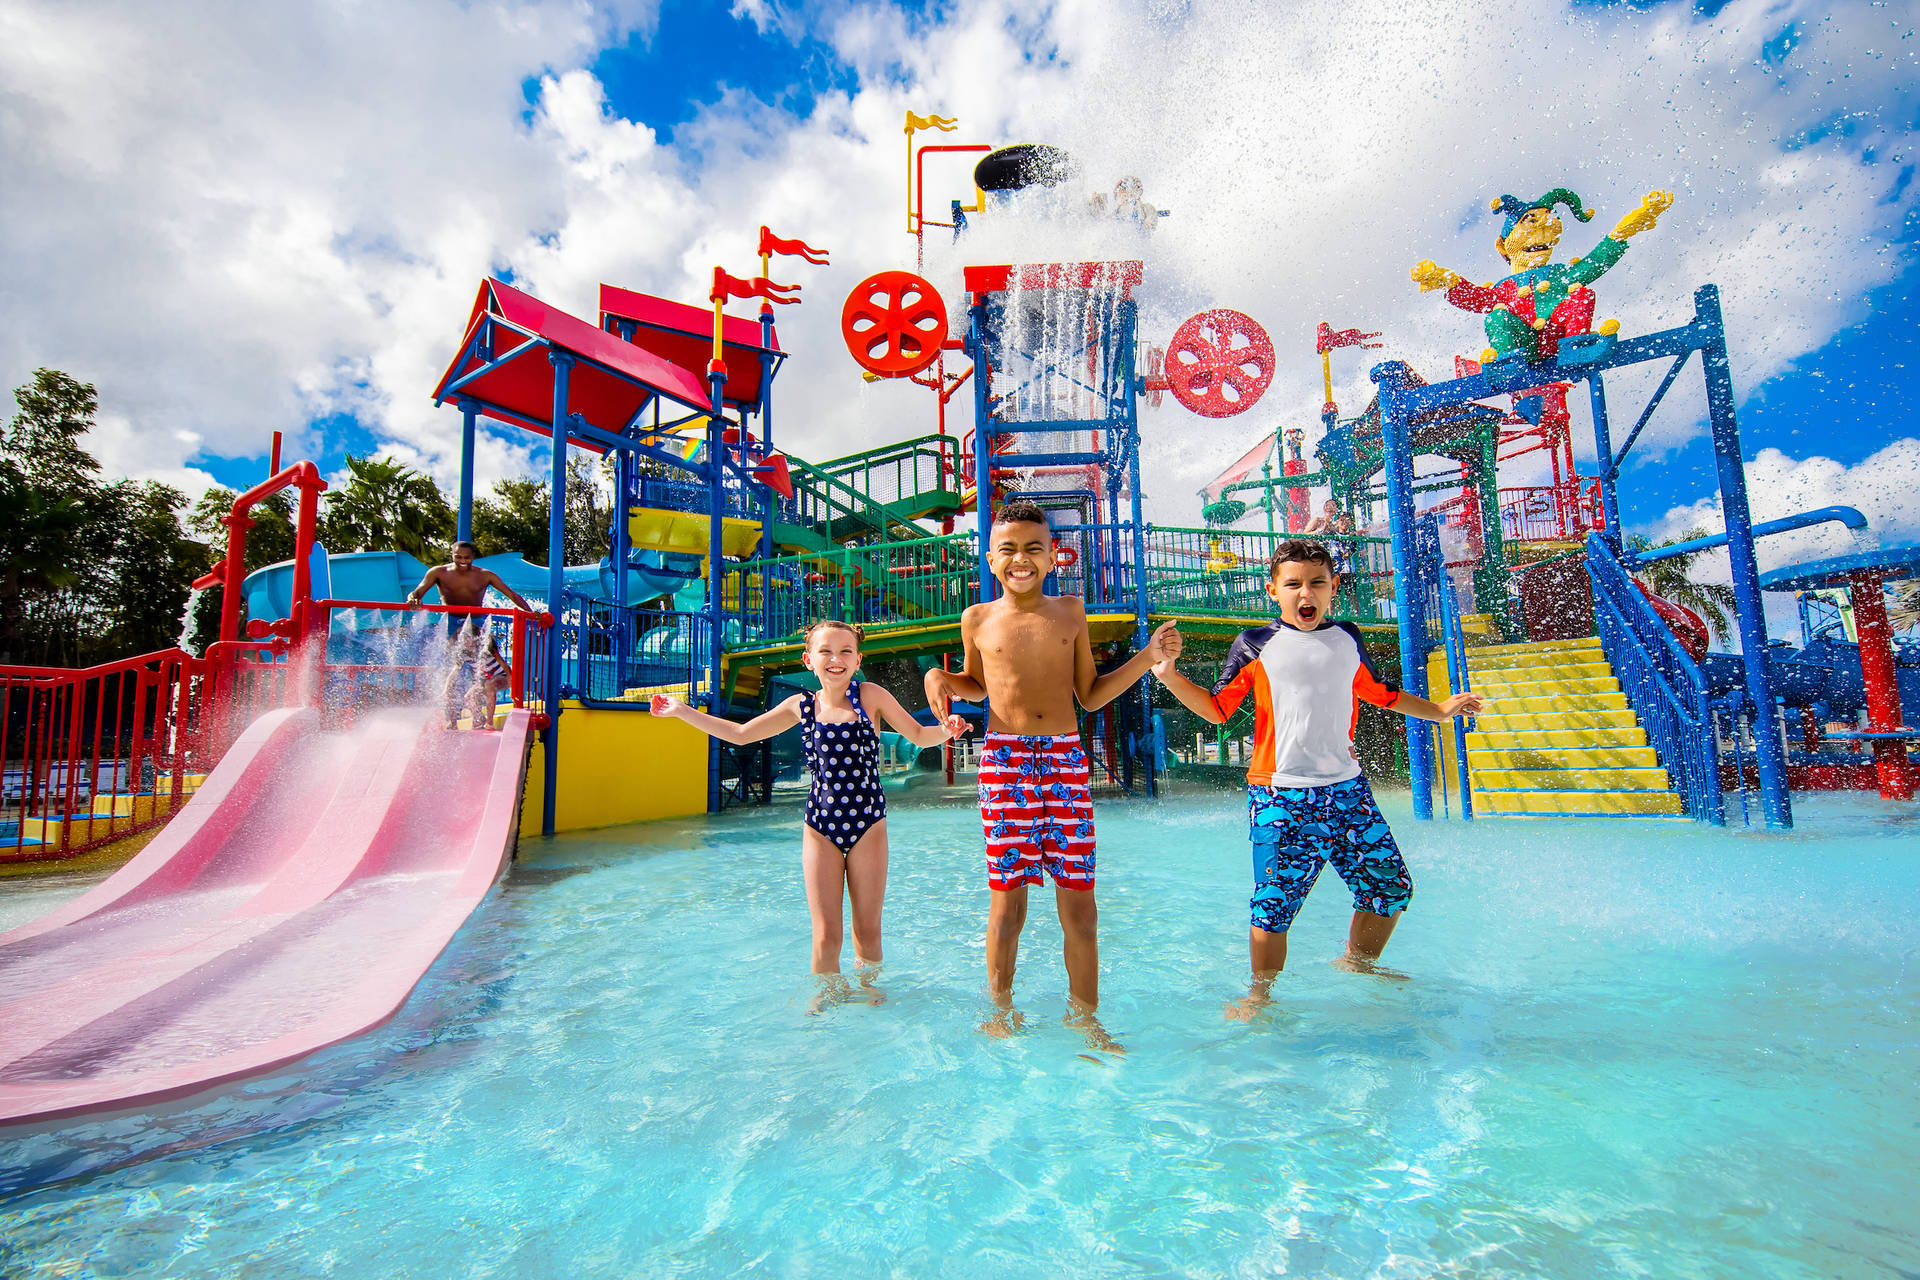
{"x": 189, "y": 639}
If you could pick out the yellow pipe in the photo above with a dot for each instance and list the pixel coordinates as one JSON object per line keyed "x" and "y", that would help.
{"x": 1326, "y": 375}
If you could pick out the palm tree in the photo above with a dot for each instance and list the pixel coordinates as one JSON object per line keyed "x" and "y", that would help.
{"x": 387, "y": 506}
{"x": 1673, "y": 580}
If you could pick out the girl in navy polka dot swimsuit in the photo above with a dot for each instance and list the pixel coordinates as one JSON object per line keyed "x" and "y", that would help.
{"x": 843, "y": 846}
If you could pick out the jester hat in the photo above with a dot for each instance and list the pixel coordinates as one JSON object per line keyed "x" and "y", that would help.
{"x": 1516, "y": 208}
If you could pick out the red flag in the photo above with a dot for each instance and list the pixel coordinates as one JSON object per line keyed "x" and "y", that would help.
{"x": 1327, "y": 339}
{"x": 771, "y": 243}
{"x": 725, "y": 286}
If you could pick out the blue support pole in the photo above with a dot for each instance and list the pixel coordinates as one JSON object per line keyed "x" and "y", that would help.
{"x": 1396, "y": 454}
{"x": 1603, "y": 445}
{"x": 716, "y": 527}
{"x": 556, "y": 583}
{"x": 982, "y": 440}
{"x": 623, "y": 629}
{"x": 463, "y": 528}
{"x": 766, "y": 437}
{"x": 1775, "y": 806}
{"x": 1142, "y": 604}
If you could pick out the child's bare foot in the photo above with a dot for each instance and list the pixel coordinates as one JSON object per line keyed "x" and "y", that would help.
{"x": 1087, "y": 1023}
{"x": 1352, "y": 962}
{"x": 834, "y": 990}
{"x": 867, "y": 974}
{"x": 1005, "y": 1021}
{"x": 1259, "y": 996}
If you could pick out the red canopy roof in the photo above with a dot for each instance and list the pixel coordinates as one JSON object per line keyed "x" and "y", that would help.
{"x": 1125, "y": 273}
{"x": 683, "y": 334}
{"x": 611, "y": 380}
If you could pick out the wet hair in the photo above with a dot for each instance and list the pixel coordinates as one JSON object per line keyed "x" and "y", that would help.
{"x": 831, "y": 624}
{"x": 1299, "y": 551}
{"x": 1021, "y": 512}
{"x": 470, "y": 548}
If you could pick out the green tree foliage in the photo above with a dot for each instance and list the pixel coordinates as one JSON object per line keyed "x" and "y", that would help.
{"x": 513, "y": 517}
{"x": 91, "y": 571}
{"x": 387, "y": 506}
{"x": 269, "y": 541}
{"x": 1673, "y": 580}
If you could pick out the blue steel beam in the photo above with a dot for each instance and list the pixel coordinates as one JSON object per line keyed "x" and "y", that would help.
{"x": 1848, "y": 516}
{"x": 1769, "y": 750}
{"x": 556, "y": 585}
{"x": 1395, "y": 447}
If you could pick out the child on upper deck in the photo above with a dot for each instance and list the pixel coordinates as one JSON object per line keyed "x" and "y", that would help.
{"x": 1308, "y": 802}
{"x": 1029, "y": 655}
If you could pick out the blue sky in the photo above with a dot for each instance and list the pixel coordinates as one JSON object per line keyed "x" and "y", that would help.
{"x": 226, "y": 248}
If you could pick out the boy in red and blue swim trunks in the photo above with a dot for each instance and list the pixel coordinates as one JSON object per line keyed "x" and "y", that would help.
{"x": 1029, "y": 655}
{"x": 1308, "y": 803}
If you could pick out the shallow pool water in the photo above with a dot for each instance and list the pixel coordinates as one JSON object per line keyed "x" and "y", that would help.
{"x": 1624, "y": 1049}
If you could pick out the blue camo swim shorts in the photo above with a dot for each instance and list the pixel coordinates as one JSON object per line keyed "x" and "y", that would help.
{"x": 1297, "y": 830}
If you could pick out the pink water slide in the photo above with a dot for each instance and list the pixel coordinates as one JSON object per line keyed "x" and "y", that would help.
{"x": 292, "y": 903}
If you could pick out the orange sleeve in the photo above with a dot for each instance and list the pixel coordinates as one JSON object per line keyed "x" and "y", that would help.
{"x": 1228, "y": 697}
{"x": 1367, "y": 688}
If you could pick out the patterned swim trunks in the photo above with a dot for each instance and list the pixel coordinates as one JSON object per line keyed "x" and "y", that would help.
{"x": 1297, "y": 830}
{"x": 1037, "y": 811}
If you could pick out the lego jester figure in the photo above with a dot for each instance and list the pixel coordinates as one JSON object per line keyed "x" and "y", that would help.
{"x": 1543, "y": 301}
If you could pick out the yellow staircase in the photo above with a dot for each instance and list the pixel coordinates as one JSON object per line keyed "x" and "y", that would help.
{"x": 1557, "y": 738}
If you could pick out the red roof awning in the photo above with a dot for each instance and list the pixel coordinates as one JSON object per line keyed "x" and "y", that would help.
{"x": 683, "y": 335}
{"x": 1123, "y": 274}
{"x": 610, "y": 383}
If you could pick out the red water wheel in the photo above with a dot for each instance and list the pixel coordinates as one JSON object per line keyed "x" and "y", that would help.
{"x": 894, "y": 323}
{"x": 1219, "y": 363}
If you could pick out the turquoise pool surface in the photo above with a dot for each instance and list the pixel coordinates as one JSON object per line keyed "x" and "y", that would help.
{"x": 1623, "y": 1049}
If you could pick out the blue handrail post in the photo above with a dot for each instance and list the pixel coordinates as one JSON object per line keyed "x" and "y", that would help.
{"x": 622, "y": 553}
{"x": 1603, "y": 446}
{"x": 1457, "y": 678}
{"x": 463, "y": 526}
{"x": 976, "y": 347}
{"x": 562, "y": 362}
{"x": 1407, "y": 589}
{"x": 1769, "y": 749}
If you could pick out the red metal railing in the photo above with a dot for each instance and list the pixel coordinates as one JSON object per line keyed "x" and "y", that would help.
{"x": 343, "y": 681}
{"x": 91, "y": 756}
{"x": 1550, "y": 512}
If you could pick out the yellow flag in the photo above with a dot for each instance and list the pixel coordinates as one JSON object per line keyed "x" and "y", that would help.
{"x": 943, "y": 123}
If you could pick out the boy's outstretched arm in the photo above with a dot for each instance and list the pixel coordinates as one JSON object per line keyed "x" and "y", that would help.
{"x": 1408, "y": 704}
{"x": 1096, "y": 691}
{"x": 1191, "y": 695}
{"x": 942, "y": 687}
{"x": 762, "y": 726}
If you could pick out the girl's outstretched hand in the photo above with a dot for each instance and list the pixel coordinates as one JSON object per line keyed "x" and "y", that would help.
{"x": 666, "y": 705}
{"x": 1462, "y": 704}
{"x": 957, "y": 726}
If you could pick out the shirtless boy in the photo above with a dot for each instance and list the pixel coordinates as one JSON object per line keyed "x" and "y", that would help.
{"x": 1028, "y": 654}
{"x": 462, "y": 584}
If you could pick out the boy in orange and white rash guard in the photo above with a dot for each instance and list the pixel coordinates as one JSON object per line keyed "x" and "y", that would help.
{"x": 1308, "y": 802}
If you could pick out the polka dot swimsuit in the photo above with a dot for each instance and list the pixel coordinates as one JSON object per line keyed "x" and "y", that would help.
{"x": 844, "y": 759}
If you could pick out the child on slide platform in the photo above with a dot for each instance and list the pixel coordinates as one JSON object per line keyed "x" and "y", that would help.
{"x": 1308, "y": 802}
{"x": 843, "y": 844}
{"x": 1029, "y": 655}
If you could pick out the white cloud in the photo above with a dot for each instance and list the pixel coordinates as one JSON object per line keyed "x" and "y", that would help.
{"x": 232, "y": 224}
{"x": 1884, "y": 487}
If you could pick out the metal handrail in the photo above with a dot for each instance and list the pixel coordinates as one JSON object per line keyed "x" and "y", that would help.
{"x": 1664, "y": 686}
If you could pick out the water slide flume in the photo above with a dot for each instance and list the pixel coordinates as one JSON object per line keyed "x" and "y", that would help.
{"x": 294, "y": 902}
